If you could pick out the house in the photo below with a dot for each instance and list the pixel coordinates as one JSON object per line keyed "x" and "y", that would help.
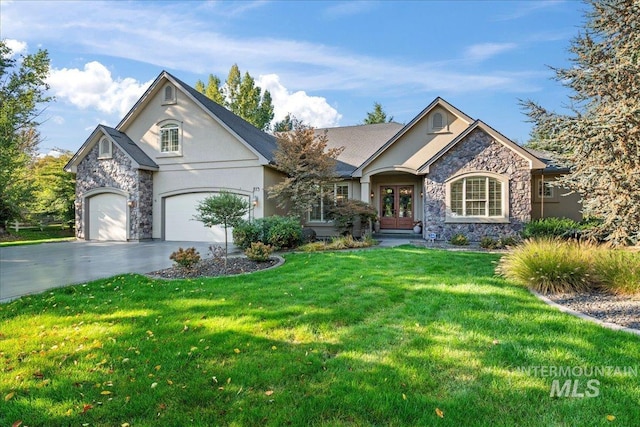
{"x": 144, "y": 178}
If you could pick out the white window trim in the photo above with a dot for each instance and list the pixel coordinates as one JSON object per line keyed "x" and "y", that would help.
{"x": 105, "y": 154}
{"x": 323, "y": 220}
{"x": 502, "y": 219}
{"x": 173, "y": 99}
{"x": 445, "y": 121}
{"x": 161, "y": 125}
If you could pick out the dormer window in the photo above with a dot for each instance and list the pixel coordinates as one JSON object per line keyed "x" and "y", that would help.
{"x": 169, "y": 95}
{"x": 104, "y": 149}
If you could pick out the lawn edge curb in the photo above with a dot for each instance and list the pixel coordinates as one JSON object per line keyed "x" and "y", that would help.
{"x": 583, "y": 316}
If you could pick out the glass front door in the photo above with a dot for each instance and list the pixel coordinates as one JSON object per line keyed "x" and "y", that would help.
{"x": 396, "y": 207}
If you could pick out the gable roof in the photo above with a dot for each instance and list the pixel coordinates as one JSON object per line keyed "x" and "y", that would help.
{"x": 135, "y": 153}
{"x": 259, "y": 142}
{"x": 438, "y": 102}
{"x": 534, "y": 162}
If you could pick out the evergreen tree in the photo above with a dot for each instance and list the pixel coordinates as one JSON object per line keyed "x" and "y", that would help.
{"x": 284, "y": 125}
{"x": 600, "y": 138}
{"x": 377, "y": 115}
{"x": 241, "y": 96}
{"x": 22, "y": 91}
{"x": 303, "y": 156}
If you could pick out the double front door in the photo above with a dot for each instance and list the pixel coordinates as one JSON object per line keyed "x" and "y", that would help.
{"x": 396, "y": 206}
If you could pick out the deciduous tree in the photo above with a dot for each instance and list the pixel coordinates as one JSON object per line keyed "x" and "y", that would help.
{"x": 54, "y": 189}
{"x": 600, "y": 137}
{"x": 303, "y": 156}
{"x": 22, "y": 93}
{"x": 226, "y": 209}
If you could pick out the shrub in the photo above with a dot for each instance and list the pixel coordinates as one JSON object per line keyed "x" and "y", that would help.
{"x": 347, "y": 213}
{"x": 342, "y": 242}
{"x": 247, "y": 232}
{"x": 282, "y": 232}
{"x": 551, "y": 227}
{"x": 259, "y": 252}
{"x": 459, "y": 240}
{"x": 550, "y": 265}
{"x": 489, "y": 243}
{"x": 618, "y": 270}
{"x": 308, "y": 235}
{"x": 506, "y": 241}
{"x": 185, "y": 258}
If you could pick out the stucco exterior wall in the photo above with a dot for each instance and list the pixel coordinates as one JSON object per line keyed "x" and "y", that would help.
{"x": 96, "y": 175}
{"x": 478, "y": 152}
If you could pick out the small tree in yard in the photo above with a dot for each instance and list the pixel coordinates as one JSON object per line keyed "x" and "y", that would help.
{"x": 226, "y": 209}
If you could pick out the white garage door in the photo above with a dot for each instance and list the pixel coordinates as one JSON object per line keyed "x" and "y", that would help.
{"x": 179, "y": 222}
{"x": 108, "y": 217}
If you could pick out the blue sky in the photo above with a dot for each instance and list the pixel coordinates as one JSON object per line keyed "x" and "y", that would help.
{"x": 325, "y": 62}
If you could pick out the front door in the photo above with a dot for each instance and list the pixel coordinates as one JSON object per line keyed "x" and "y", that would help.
{"x": 396, "y": 207}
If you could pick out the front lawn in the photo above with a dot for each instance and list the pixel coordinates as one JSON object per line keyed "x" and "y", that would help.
{"x": 402, "y": 336}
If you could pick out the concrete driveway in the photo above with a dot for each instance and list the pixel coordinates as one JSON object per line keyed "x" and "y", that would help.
{"x": 32, "y": 269}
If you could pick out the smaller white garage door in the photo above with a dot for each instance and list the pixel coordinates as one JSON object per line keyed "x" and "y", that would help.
{"x": 108, "y": 217}
{"x": 179, "y": 222}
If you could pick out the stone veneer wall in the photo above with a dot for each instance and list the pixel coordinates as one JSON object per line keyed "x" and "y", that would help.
{"x": 116, "y": 172}
{"x": 478, "y": 152}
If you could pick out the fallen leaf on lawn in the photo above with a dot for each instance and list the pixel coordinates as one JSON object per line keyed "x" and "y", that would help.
{"x": 105, "y": 392}
{"x": 496, "y": 342}
{"x": 9, "y": 396}
{"x": 17, "y": 423}
{"x": 268, "y": 392}
{"x": 85, "y": 408}
{"x": 611, "y": 417}
{"x": 236, "y": 350}
{"x": 154, "y": 385}
{"x": 404, "y": 396}
{"x": 69, "y": 412}
{"x": 157, "y": 368}
{"x": 229, "y": 380}
{"x": 125, "y": 425}
{"x": 439, "y": 413}
{"x": 169, "y": 382}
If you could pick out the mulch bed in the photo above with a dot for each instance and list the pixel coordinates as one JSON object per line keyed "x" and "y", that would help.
{"x": 215, "y": 267}
{"x": 619, "y": 309}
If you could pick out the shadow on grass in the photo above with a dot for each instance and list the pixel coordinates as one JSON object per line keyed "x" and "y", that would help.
{"x": 376, "y": 337}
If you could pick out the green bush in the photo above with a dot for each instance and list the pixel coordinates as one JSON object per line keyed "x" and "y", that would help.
{"x": 185, "y": 258}
{"x": 489, "y": 243}
{"x": 459, "y": 240}
{"x": 506, "y": 241}
{"x": 341, "y": 242}
{"x": 283, "y": 232}
{"x": 247, "y": 232}
{"x": 550, "y": 265}
{"x": 618, "y": 270}
{"x": 277, "y": 231}
{"x": 258, "y": 252}
{"x": 550, "y": 227}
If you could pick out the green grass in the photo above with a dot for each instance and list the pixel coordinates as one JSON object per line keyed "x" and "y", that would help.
{"x": 52, "y": 233}
{"x": 375, "y": 337}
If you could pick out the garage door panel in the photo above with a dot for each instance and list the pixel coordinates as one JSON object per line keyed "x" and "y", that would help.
{"x": 180, "y": 224}
{"x": 108, "y": 217}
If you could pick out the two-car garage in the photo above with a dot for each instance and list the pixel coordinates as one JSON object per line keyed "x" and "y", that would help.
{"x": 180, "y": 225}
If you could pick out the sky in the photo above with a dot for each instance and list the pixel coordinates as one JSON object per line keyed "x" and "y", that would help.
{"x": 325, "y": 62}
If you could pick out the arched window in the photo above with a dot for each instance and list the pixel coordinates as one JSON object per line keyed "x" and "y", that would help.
{"x": 170, "y": 138}
{"x": 477, "y": 196}
{"x": 104, "y": 149}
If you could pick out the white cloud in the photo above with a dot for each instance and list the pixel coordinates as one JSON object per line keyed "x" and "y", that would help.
{"x": 59, "y": 120}
{"x": 94, "y": 87}
{"x": 312, "y": 110}
{"x": 482, "y": 51}
{"x": 17, "y": 47}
